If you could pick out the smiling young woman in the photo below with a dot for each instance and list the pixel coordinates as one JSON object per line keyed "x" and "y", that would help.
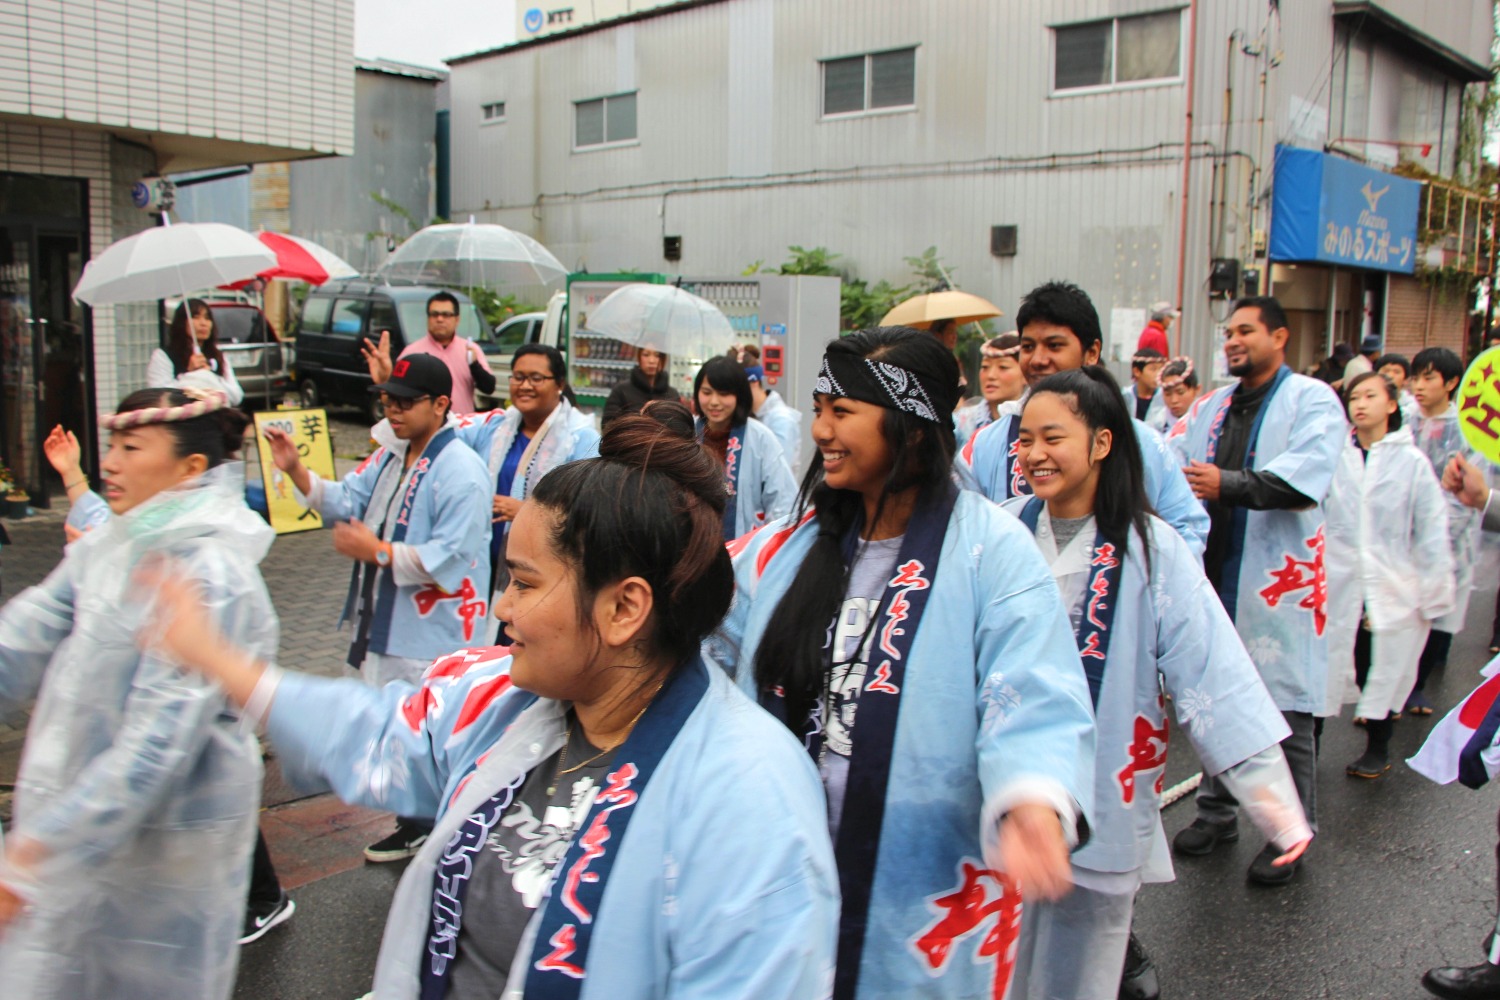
{"x": 756, "y": 475}
{"x": 1143, "y": 615}
{"x": 911, "y": 636}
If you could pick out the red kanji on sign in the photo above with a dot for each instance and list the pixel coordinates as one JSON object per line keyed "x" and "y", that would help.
{"x": 1297, "y": 575}
{"x": 980, "y": 895}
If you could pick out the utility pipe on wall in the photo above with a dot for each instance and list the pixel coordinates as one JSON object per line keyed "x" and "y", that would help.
{"x": 1187, "y": 166}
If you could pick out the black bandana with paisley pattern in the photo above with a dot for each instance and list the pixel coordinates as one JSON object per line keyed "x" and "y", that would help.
{"x": 886, "y": 385}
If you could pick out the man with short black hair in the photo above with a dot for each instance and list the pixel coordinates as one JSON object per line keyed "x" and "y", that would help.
{"x": 1260, "y": 455}
{"x": 465, "y": 360}
{"x": 1059, "y": 330}
{"x": 1144, "y": 392}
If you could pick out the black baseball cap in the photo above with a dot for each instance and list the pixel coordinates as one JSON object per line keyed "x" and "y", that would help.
{"x": 417, "y": 375}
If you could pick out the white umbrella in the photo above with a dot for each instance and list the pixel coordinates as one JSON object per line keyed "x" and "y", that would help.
{"x": 664, "y": 318}
{"x": 468, "y": 254}
{"x": 172, "y": 260}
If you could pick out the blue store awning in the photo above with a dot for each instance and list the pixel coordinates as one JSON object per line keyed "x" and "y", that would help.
{"x": 1329, "y": 210}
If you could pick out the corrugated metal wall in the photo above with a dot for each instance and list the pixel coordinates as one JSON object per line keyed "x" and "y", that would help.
{"x": 734, "y": 158}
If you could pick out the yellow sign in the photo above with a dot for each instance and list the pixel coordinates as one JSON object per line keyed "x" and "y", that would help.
{"x": 1478, "y": 403}
{"x": 309, "y": 430}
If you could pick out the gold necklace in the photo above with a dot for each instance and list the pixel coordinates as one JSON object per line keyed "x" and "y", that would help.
{"x": 562, "y": 758}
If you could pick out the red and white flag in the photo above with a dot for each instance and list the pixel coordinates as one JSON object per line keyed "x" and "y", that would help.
{"x": 1463, "y": 745}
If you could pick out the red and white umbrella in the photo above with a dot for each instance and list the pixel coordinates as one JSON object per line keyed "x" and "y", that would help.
{"x": 303, "y": 260}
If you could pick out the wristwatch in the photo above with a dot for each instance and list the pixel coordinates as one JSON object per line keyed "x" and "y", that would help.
{"x": 383, "y": 554}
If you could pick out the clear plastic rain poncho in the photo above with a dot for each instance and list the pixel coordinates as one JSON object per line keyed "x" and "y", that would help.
{"x": 137, "y": 778}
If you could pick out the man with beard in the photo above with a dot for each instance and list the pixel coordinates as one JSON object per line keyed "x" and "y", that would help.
{"x": 1260, "y": 454}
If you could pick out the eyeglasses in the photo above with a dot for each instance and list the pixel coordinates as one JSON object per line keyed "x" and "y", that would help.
{"x": 400, "y": 404}
{"x": 440, "y": 315}
{"x": 535, "y": 378}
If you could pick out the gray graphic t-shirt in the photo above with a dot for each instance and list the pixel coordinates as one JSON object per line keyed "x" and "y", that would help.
{"x": 874, "y": 565}
{"x": 511, "y": 874}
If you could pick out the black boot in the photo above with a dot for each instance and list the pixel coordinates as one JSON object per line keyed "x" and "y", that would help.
{"x": 1376, "y": 760}
{"x": 1139, "y": 981}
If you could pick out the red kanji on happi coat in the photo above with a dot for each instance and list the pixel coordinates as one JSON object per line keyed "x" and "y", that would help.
{"x": 1297, "y": 575}
{"x": 980, "y": 895}
{"x": 1147, "y": 752}
{"x": 470, "y": 608}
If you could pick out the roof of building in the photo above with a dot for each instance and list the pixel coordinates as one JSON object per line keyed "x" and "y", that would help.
{"x": 557, "y": 36}
{"x": 392, "y": 67}
{"x": 1371, "y": 17}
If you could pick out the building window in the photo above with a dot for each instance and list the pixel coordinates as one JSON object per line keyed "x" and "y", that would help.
{"x": 1118, "y": 52}
{"x": 493, "y": 112}
{"x": 604, "y": 121}
{"x": 877, "y": 81}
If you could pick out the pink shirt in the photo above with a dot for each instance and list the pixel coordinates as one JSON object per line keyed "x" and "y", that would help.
{"x": 456, "y": 357}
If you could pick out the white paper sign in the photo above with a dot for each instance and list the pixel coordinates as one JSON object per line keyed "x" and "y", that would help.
{"x": 1125, "y": 326}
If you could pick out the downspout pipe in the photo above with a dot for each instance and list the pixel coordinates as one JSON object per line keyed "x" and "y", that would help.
{"x": 1187, "y": 165}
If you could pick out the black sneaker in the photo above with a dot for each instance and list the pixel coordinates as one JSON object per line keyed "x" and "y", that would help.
{"x": 261, "y": 917}
{"x": 1201, "y": 836}
{"x": 1262, "y": 872}
{"x": 1140, "y": 980}
{"x": 402, "y": 844}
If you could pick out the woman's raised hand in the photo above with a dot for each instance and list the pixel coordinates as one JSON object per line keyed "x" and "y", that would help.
{"x": 63, "y": 453}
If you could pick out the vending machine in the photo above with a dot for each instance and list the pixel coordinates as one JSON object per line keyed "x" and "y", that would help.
{"x": 597, "y": 363}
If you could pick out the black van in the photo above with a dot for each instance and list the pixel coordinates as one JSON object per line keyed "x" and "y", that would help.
{"x": 338, "y": 316}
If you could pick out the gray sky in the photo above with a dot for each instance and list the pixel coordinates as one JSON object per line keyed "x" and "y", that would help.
{"x": 428, "y": 32}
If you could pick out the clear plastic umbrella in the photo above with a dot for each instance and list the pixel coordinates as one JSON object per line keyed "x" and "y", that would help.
{"x": 172, "y": 260}
{"x": 464, "y": 255}
{"x": 664, "y": 318}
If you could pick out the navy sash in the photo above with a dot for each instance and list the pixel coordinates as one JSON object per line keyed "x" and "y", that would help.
{"x": 1097, "y": 623}
{"x": 379, "y": 622}
{"x": 1229, "y": 580}
{"x": 450, "y": 884}
{"x": 734, "y": 452}
{"x": 1015, "y": 480}
{"x": 559, "y": 956}
{"x": 874, "y": 734}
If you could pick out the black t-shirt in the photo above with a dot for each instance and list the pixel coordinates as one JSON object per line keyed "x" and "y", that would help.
{"x": 1234, "y": 443}
{"x": 1141, "y": 405}
{"x": 511, "y": 874}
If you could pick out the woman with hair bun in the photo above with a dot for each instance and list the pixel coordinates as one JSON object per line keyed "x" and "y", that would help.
{"x": 125, "y": 872}
{"x": 613, "y": 818}
{"x": 911, "y": 636}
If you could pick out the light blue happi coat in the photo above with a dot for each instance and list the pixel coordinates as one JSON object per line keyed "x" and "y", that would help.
{"x": 724, "y": 886}
{"x": 995, "y": 700}
{"x": 1166, "y": 486}
{"x": 970, "y": 420}
{"x": 1158, "y": 417}
{"x": 1168, "y": 626}
{"x": 567, "y": 435}
{"x": 1277, "y": 589}
{"x": 765, "y": 489}
{"x": 786, "y": 424}
{"x": 450, "y": 531}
